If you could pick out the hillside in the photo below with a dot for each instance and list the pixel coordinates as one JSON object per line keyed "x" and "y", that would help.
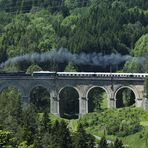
{"x": 73, "y": 35}
{"x": 88, "y": 26}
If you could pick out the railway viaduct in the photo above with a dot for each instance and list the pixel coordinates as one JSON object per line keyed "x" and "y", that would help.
{"x": 83, "y": 85}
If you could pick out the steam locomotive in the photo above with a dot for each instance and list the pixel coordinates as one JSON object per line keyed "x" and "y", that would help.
{"x": 20, "y": 73}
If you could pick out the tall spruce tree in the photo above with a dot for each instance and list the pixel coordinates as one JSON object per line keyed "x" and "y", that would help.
{"x": 46, "y": 122}
{"x": 29, "y": 124}
{"x": 111, "y": 145}
{"x": 118, "y": 143}
{"x": 83, "y": 140}
{"x": 18, "y": 114}
{"x": 65, "y": 140}
{"x": 103, "y": 143}
{"x": 38, "y": 139}
{"x": 55, "y": 135}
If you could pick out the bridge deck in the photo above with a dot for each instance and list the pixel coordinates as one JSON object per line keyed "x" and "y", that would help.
{"x": 71, "y": 78}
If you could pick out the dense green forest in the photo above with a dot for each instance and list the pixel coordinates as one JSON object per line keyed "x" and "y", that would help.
{"x": 101, "y": 26}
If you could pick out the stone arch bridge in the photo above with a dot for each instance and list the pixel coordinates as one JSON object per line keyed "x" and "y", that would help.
{"x": 82, "y": 85}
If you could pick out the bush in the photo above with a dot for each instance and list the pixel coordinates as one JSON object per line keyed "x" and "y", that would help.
{"x": 121, "y": 122}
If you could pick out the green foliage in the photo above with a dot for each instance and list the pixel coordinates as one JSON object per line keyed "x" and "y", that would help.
{"x": 140, "y": 49}
{"x": 65, "y": 140}
{"x": 10, "y": 113}
{"x": 125, "y": 97}
{"x": 81, "y": 26}
{"x": 70, "y": 68}
{"x": 46, "y": 122}
{"x": 106, "y": 26}
{"x": 133, "y": 66}
{"x": 33, "y": 68}
{"x": 103, "y": 143}
{"x": 61, "y": 137}
{"x": 82, "y": 139}
{"x": 25, "y": 145}
{"x": 97, "y": 100}
{"x": 120, "y": 122}
{"x": 18, "y": 112}
{"x": 40, "y": 97}
{"x": 29, "y": 124}
{"x": 141, "y": 46}
{"x": 118, "y": 144}
{"x": 69, "y": 103}
{"x": 6, "y": 138}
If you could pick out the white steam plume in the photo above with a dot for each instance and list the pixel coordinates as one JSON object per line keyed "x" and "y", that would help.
{"x": 63, "y": 55}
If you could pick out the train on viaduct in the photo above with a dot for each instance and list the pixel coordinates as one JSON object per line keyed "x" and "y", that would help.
{"x": 82, "y": 82}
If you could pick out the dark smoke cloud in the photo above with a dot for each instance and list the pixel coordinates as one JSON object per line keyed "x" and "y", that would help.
{"x": 63, "y": 55}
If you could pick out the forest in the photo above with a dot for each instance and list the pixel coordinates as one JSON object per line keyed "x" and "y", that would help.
{"x": 80, "y": 26}
{"x": 108, "y": 26}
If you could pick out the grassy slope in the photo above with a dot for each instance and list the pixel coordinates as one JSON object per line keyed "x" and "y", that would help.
{"x": 137, "y": 140}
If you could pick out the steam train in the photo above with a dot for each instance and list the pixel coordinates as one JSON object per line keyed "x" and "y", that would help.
{"x": 87, "y": 74}
{"x": 74, "y": 74}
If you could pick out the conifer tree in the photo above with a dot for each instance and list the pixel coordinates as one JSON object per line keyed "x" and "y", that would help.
{"x": 46, "y": 122}
{"x": 103, "y": 143}
{"x": 82, "y": 139}
{"x": 55, "y": 135}
{"x": 91, "y": 141}
{"x": 43, "y": 131}
{"x": 18, "y": 114}
{"x": 38, "y": 139}
{"x": 60, "y": 136}
{"x": 47, "y": 141}
{"x": 65, "y": 140}
{"x": 118, "y": 143}
{"x": 111, "y": 145}
{"x": 29, "y": 124}
{"x": 43, "y": 137}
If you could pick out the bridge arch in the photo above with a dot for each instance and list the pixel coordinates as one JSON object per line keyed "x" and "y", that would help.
{"x": 98, "y": 86}
{"x": 120, "y": 89}
{"x": 66, "y": 86}
{"x": 40, "y": 96}
{"x": 69, "y": 100}
{"x": 33, "y": 86}
{"x": 19, "y": 87}
{"x": 100, "y": 90}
